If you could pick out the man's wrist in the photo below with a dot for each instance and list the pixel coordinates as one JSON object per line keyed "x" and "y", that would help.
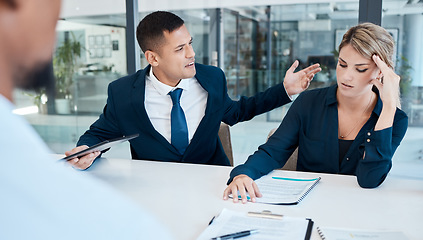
{"x": 286, "y": 91}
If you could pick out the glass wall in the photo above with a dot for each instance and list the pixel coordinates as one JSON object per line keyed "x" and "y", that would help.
{"x": 309, "y": 33}
{"x": 243, "y": 50}
{"x": 254, "y": 45}
{"x": 90, "y": 53}
{"x": 404, "y": 20}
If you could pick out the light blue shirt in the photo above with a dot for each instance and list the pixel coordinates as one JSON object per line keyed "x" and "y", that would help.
{"x": 42, "y": 198}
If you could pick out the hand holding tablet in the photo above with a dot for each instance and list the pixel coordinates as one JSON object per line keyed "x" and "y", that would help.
{"x": 84, "y": 156}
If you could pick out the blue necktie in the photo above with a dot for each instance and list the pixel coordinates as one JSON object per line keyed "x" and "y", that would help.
{"x": 179, "y": 129}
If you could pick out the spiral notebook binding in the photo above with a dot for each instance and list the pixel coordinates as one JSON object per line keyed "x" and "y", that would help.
{"x": 305, "y": 194}
{"x": 321, "y": 233}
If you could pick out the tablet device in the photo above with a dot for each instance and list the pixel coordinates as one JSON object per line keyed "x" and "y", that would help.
{"x": 101, "y": 146}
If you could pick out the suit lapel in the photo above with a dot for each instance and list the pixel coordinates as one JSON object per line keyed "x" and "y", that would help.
{"x": 212, "y": 100}
{"x": 206, "y": 82}
{"x": 137, "y": 100}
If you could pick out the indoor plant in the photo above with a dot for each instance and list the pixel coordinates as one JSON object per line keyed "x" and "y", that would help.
{"x": 65, "y": 62}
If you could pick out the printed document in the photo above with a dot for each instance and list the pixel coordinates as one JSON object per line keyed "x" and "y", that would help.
{"x": 284, "y": 191}
{"x": 230, "y": 221}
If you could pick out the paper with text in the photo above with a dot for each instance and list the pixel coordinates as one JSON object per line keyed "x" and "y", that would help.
{"x": 281, "y": 190}
{"x": 230, "y": 221}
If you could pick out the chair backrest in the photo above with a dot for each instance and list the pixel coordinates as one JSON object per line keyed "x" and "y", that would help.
{"x": 291, "y": 164}
{"x": 225, "y": 139}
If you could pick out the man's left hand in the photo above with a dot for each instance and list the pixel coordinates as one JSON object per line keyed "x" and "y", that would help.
{"x": 295, "y": 83}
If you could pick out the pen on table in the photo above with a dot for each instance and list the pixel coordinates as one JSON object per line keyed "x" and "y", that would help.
{"x": 211, "y": 221}
{"x": 236, "y": 235}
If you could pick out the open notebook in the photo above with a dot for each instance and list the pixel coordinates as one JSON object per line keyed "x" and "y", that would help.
{"x": 284, "y": 191}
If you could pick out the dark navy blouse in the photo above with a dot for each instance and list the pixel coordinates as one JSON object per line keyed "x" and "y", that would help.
{"x": 312, "y": 124}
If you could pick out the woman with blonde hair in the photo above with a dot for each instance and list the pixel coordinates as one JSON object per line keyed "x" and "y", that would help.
{"x": 352, "y": 127}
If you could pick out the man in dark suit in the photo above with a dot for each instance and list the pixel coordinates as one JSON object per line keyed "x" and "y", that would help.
{"x": 175, "y": 105}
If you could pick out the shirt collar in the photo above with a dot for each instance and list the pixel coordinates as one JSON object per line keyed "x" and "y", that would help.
{"x": 331, "y": 98}
{"x": 331, "y": 95}
{"x": 164, "y": 89}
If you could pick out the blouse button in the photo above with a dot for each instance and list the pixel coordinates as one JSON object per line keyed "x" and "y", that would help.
{"x": 368, "y": 140}
{"x": 348, "y": 159}
{"x": 368, "y": 134}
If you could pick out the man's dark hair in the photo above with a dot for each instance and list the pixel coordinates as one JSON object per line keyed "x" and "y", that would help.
{"x": 150, "y": 30}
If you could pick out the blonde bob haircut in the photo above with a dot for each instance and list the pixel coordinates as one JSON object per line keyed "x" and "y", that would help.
{"x": 370, "y": 39}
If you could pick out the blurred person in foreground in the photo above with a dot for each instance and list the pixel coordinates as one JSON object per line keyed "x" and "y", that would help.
{"x": 352, "y": 127}
{"x": 42, "y": 198}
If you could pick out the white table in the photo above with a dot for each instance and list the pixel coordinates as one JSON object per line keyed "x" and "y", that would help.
{"x": 186, "y": 196}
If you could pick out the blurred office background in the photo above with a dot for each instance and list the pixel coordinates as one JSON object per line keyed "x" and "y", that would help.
{"x": 254, "y": 42}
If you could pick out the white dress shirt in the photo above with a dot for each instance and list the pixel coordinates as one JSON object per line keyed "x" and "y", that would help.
{"x": 158, "y": 104}
{"x": 44, "y": 198}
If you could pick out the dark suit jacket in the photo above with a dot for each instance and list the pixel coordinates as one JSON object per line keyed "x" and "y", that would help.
{"x": 312, "y": 124}
{"x": 125, "y": 114}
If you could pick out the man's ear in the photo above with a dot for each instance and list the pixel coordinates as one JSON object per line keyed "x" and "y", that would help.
{"x": 152, "y": 58}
